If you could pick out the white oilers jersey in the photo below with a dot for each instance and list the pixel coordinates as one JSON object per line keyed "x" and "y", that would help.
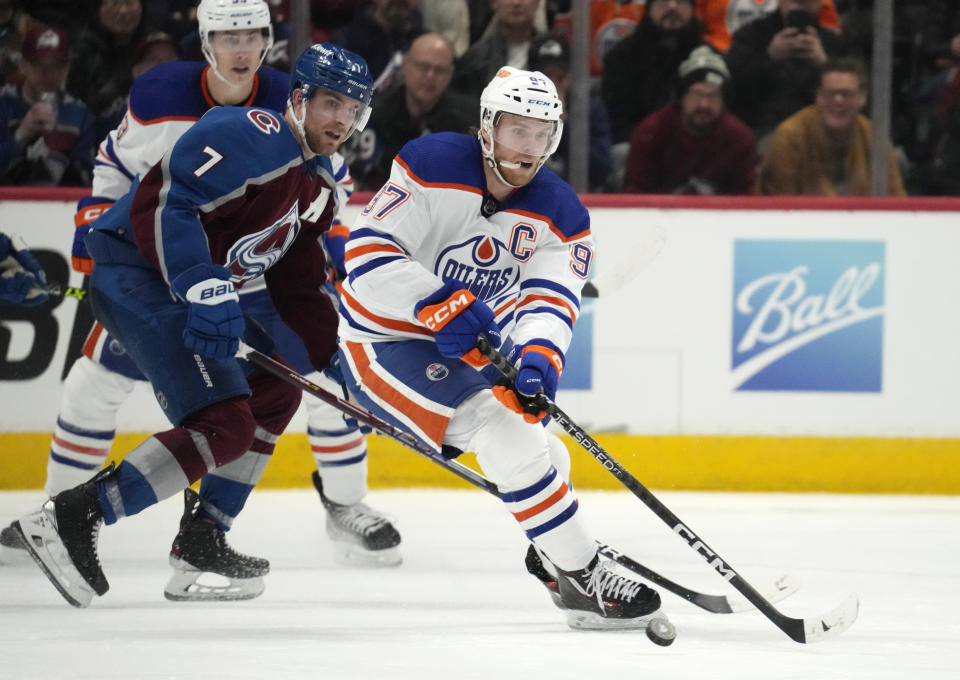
{"x": 527, "y": 258}
{"x": 164, "y": 103}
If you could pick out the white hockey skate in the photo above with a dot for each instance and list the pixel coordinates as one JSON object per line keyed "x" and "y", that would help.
{"x": 361, "y": 536}
{"x": 205, "y": 567}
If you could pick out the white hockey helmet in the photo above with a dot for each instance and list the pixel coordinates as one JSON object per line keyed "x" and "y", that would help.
{"x": 523, "y": 93}
{"x": 233, "y": 15}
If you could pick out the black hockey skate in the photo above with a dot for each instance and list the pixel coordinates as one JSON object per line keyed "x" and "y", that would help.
{"x": 201, "y": 548}
{"x": 544, "y": 571}
{"x": 597, "y": 598}
{"x": 62, "y": 539}
{"x": 361, "y": 535}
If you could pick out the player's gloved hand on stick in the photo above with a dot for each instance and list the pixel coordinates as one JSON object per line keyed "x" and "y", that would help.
{"x": 22, "y": 279}
{"x": 89, "y": 208}
{"x": 456, "y": 318}
{"x": 538, "y": 372}
{"x": 214, "y": 320}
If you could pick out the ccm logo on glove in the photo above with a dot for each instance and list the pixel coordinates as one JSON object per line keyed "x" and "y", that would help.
{"x": 436, "y": 317}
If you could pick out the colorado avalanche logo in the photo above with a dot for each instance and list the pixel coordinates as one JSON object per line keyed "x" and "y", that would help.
{"x": 482, "y": 264}
{"x": 255, "y": 253}
{"x": 265, "y": 122}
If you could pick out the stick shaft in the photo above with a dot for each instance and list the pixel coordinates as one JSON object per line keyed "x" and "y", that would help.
{"x": 717, "y": 604}
{"x": 794, "y": 628}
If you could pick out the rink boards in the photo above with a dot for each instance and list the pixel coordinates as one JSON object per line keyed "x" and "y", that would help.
{"x": 773, "y": 344}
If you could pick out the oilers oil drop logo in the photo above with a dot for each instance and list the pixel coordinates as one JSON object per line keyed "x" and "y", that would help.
{"x": 482, "y": 264}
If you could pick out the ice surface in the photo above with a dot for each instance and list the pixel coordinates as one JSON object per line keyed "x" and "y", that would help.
{"x": 462, "y": 606}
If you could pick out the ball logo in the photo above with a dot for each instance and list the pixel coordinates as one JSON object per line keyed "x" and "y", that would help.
{"x": 808, "y": 315}
{"x": 437, "y": 372}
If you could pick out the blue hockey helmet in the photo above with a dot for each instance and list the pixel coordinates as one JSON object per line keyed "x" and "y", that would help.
{"x": 331, "y": 67}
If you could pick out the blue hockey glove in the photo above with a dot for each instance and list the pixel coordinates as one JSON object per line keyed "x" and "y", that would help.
{"x": 539, "y": 370}
{"x": 22, "y": 279}
{"x": 456, "y": 318}
{"x": 214, "y": 319}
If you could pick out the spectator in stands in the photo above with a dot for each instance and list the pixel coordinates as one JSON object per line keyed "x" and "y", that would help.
{"x": 100, "y": 73}
{"x": 421, "y": 104}
{"x": 722, "y": 18}
{"x": 941, "y": 175}
{"x": 11, "y": 37}
{"x": 505, "y": 42}
{"x": 154, "y": 48}
{"x": 551, "y": 56}
{"x": 693, "y": 146}
{"x": 610, "y": 22}
{"x": 640, "y": 71}
{"x": 46, "y": 136}
{"x": 824, "y": 149}
{"x": 775, "y": 62}
{"x": 328, "y": 16}
{"x": 449, "y": 18}
{"x": 380, "y": 32}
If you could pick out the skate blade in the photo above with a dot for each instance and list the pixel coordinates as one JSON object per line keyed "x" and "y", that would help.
{"x": 191, "y": 585}
{"x": 584, "y": 620}
{"x": 12, "y": 550}
{"x": 14, "y": 557}
{"x": 39, "y": 536}
{"x": 353, "y": 555}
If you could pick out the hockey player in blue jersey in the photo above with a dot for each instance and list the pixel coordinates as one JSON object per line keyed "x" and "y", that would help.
{"x": 163, "y": 104}
{"x": 472, "y": 236}
{"x": 241, "y": 196}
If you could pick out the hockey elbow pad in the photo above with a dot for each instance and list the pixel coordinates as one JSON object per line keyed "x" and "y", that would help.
{"x": 89, "y": 208}
{"x": 457, "y": 318}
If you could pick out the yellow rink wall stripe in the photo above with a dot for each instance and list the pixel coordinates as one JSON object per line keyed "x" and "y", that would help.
{"x": 833, "y": 464}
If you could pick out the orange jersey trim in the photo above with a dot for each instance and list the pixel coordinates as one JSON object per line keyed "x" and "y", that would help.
{"x": 433, "y": 425}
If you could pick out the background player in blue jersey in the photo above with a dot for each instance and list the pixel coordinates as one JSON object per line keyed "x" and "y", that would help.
{"x": 473, "y": 236}
{"x": 163, "y": 104}
{"x": 242, "y": 195}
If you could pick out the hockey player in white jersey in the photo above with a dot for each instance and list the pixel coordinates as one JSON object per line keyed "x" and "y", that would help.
{"x": 468, "y": 237}
{"x": 164, "y": 103}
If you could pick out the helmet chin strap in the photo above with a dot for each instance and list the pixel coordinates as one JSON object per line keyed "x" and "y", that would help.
{"x": 298, "y": 123}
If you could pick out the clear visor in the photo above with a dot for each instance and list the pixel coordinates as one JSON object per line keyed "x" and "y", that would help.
{"x": 524, "y": 135}
{"x": 349, "y": 112}
{"x": 237, "y": 41}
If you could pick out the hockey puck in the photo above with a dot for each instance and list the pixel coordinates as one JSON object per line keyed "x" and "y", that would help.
{"x": 661, "y": 632}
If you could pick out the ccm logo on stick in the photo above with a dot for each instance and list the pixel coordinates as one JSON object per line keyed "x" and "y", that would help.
{"x": 700, "y": 547}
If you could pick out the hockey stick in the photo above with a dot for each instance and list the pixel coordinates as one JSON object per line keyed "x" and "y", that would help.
{"x": 636, "y": 253}
{"x": 717, "y": 604}
{"x": 814, "y": 629}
